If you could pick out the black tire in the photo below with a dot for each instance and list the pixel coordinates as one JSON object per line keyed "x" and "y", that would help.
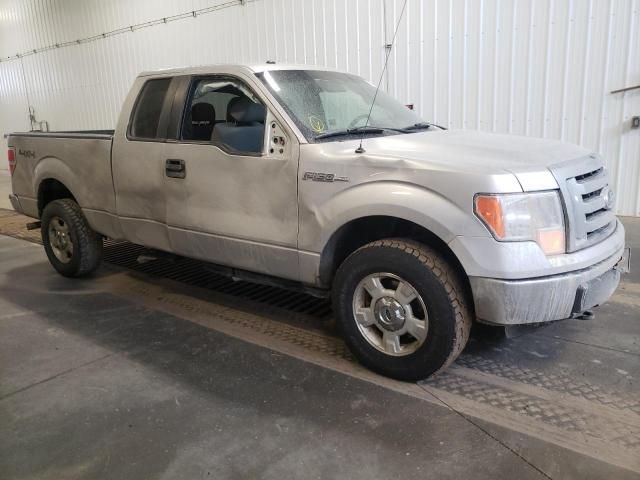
{"x": 86, "y": 244}
{"x": 443, "y": 295}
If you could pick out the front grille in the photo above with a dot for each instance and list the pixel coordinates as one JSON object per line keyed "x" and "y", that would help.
{"x": 592, "y": 215}
{"x": 593, "y": 195}
{"x": 584, "y": 185}
{"x": 586, "y": 176}
{"x": 598, "y": 233}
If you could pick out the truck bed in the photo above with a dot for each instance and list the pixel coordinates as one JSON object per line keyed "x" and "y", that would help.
{"x": 67, "y": 134}
{"x": 80, "y": 160}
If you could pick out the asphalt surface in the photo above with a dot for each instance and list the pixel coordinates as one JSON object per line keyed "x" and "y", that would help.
{"x": 125, "y": 375}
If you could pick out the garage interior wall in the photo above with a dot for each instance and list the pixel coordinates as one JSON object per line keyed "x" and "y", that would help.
{"x": 531, "y": 67}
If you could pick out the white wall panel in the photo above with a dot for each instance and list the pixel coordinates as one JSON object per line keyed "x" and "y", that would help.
{"x": 529, "y": 67}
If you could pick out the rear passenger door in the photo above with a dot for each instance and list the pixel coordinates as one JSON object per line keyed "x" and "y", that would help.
{"x": 138, "y": 163}
{"x": 235, "y": 202}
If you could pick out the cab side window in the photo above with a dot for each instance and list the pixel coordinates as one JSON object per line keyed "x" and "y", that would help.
{"x": 146, "y": 116}
{"x": 225, "y": 112}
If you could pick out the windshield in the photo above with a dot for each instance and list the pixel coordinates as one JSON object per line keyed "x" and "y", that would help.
{"x": 322, "y": 102}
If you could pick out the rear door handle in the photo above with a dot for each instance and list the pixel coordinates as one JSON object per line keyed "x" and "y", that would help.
{"x": 175, "y": 168}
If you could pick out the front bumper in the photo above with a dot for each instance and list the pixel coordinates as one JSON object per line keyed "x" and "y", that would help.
{"x": 545, "y": 299}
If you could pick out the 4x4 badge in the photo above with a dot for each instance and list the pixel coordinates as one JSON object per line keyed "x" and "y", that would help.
{"x": 27, "y": 153}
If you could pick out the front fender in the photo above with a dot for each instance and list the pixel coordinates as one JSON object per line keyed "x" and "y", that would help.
{"x": 402, "y": 200}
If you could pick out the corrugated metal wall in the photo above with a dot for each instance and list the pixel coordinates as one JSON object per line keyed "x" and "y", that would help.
{"x": 530, "y": 67}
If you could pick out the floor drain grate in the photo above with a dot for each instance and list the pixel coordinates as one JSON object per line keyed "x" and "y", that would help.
{"x": 198, "y": 274}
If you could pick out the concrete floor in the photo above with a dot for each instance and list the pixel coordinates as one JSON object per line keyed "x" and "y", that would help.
{"x": 124, "y": 376}
{"x": 5, "y": 188}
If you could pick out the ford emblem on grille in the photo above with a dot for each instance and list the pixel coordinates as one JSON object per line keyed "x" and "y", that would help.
{"x": 609, "y": 198}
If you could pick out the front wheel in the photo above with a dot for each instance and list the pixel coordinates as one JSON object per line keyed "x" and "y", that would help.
{"x": 72, "y": 247}
{"x": 402, "y": 309}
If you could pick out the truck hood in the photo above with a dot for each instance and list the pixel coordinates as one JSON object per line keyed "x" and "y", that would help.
{"x": 529, "y": 159}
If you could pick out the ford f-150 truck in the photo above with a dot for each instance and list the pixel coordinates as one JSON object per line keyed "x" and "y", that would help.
{"x": 287, "y": 173}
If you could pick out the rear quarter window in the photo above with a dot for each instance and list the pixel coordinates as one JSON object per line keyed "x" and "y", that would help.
{"x": 148, "y": 108}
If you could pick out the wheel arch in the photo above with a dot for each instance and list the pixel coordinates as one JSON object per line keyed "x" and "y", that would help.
{"x": 54, "y": 180}
{"x": 363, "y": 230}
{"x": 50, "y": 189}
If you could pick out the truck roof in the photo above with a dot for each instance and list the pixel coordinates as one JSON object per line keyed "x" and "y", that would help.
{"x": 230, "y": 67}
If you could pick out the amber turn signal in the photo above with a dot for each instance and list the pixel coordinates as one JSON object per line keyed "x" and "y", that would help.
{"x": 489, "y": 209}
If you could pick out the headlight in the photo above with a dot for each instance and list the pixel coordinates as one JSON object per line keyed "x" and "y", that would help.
{"x": 524, "y": 216}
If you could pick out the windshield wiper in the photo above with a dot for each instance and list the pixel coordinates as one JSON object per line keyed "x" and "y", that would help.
{"x": 418, "y": 126}
{"x": 422, "y": 126}
{"x": 361, "y": 129}
{"x": 349, "y": 131}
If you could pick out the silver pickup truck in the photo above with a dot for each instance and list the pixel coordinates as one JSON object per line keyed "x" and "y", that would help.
{"x": 287, "y": 174}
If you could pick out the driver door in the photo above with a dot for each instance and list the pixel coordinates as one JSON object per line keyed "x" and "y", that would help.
{"x": 235, "y": 202}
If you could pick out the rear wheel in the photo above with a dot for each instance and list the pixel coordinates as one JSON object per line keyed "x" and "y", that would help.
{"x": 72, "y": 247}
{"x": 402, "y": 309}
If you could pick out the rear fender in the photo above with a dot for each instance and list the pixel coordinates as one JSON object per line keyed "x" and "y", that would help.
{"x": 55, "y": 169}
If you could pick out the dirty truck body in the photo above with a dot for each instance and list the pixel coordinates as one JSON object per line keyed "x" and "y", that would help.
{"x": 257, "y": 169}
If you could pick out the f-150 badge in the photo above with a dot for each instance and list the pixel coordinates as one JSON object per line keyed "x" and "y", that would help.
{"x": 323, "y": 177}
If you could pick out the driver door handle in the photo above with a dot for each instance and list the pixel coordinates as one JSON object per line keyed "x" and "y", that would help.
{"x": 175, "y": 168}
